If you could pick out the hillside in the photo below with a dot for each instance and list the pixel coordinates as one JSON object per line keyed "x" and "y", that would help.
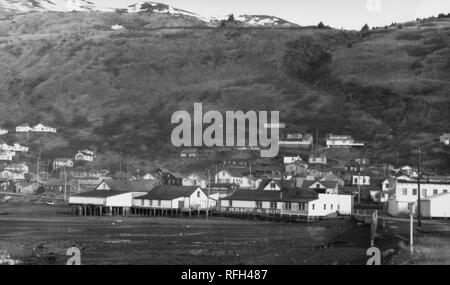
{"x": 117, "y": 89}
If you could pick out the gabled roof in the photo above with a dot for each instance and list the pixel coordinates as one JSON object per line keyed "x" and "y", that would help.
{"x": 169, "y": 192}
{"x": 327, "y": 184}
{"x": 130, "y": 185}
{"x": 61, "y": 159}
{"x": 174, "y": 174}
{"x": 99, "y": 194}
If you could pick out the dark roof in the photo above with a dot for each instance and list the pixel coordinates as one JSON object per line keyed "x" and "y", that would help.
{"x": 327, "y": 184}
{"x": 99, "y": 194}
{"x": 169, "y": 192}
{"x": 131, "y": 185}
{"x": 285, "y": 195}
{"x": 175, "y": 174}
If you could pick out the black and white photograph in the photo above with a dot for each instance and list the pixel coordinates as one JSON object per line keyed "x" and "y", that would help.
{"x": 238, "y": 133}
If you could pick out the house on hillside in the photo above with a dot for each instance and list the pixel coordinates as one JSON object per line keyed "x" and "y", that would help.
{"x": 189, "y": 153}
{"x": 3, "y": 132}
{"x": 236, "y": 176}
{"x": 14, "y": 175}
{"x": 40, "y": 128}
{"x": 296, "y": 168}
{"x": 317, "y": 159}
{"x": 296, "y": 140}
{"x": 408, "y": 170}
{"x": 167, "y": 177}
{"x": 445, "y": 138}
{"x": 175, "y": 197}
{"x": 26, "y": 187}
{"x": 342, "y": 141}
{"x": 291, "y": 159}
{"x": 23, "y": 129}
{"x": 17, "y": 167}
{"x": 56, "y": 185}
{"x": 195, "y": 179}
{"x": 62, "y": 163}
{"x": 84, "y": 155}
{"x": 15, "y": 147}
{"x": 7, "y": 155}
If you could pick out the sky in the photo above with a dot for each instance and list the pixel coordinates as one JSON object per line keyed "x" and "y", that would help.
{"x": 347, "y": 14}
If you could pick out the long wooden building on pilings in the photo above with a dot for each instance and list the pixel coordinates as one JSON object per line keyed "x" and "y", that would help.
{"x": 98, "y": 203}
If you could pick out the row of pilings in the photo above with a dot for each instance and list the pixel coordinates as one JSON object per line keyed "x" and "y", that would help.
{"x": 95, "y": 210}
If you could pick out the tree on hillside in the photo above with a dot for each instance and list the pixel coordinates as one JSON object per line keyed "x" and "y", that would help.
{"x": 321, "y": 26}
{"x": 231, "y": 18}
{"x": 305, "y": 59}
{"x": 365, "y": 28}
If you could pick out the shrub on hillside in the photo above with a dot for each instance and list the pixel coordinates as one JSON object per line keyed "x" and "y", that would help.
{"x": 365, "y": 28}
{"x": 306, "y": 60}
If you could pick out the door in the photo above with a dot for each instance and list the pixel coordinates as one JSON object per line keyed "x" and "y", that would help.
{"x": 180, "y": 204}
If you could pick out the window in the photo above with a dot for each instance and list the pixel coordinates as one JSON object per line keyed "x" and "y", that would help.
{"x": 142, "y": 202}
{"x": 273, "y": 185}
{"x": 259, "y": 205}
{"x": 159, "y": 203}
{"x": 445, "y": 191}
{"x": 288, "y": 205}
{"x": 301, "y": 206}
{"x": 273, "y": 205}
{"x": 331, "y": 207}
{"x": 324, "y": 206}
{"x": 414, "y": 192}
{"x": 198, "y": 194}
{"x": 313, "y": 206}
{"x": 231, "y": 203}
{"x": 435, "y": 191}
{"x": 404, "y": 191}
{"x": 424, "y": 192}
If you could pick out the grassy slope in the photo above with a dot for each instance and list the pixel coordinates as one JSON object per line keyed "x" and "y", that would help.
{"x": 116, "y": 90}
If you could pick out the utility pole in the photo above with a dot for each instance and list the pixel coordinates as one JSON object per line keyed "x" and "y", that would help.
{"x": 419, "y": 217}
{"x": 359, "y": 188}
{"x": 65, "y": 184}
{"x": 37, "y": 167}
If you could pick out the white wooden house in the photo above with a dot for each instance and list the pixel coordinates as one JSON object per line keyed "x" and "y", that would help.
{"x": 40, "y": 128}
{"x": 83, "y": 156}
{"x": 7, "y": 155}
{"x": 62, "y": 162}
{"x": 342, "y": 141}
{"x": 291, "y": 159}
{"x": 174, "y": 197}
{"x": 403, "y": 192}
{"x": 23, "y": 129}
{"x": 317, "y": 159}
{"x": 3, "y": 132}
{"x": 288, "y": 201}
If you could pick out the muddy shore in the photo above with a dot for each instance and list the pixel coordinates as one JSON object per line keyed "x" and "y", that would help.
{"x": 41, "y": 234}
